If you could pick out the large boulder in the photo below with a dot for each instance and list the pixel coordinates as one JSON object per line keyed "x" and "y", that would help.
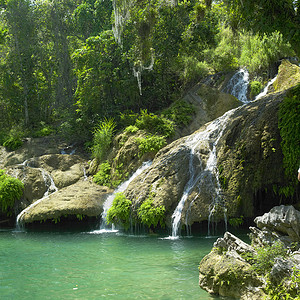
{"x": 226, "y": 273}
{"x": 83, "y": 198}
{"x": 282, "y": 219}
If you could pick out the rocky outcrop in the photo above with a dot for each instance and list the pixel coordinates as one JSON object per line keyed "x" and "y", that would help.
{"x": 282, "y": 219}
{"x": 210, "y": 103}
{"x": 228, "y": 271}
{"x": 82, "y": 199}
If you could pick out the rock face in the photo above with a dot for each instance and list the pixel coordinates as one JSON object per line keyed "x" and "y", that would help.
{"x": 283, "y": 219}
{"x": 83, "y": 198}
{"x": 244, "y": 141}
{"x": 224, "y": 271}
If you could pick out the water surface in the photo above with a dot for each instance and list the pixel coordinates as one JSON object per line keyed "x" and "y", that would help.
{"x": 51, "y": 265}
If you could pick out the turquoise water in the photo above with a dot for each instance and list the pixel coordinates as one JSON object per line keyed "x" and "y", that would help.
{"x": 53, "y": 265}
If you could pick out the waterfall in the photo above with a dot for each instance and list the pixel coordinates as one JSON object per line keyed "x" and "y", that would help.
{"x": 51, "y": 188}
{"x": 265, "y": 90}
{"x": 212, "y": 135}
{"x": 238, "y": 85}
{"x": 104, "y": 227}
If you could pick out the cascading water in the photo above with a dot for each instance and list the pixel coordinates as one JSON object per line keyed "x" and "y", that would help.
{"x": 212, "y": 134}
{"x": 104, "y": 227}
{"x": 238, "y": 85}
{"x": 265, "y": 90}
{"x": 51, "y": 188}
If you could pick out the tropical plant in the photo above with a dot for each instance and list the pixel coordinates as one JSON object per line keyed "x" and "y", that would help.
{"x": 103, "y": 135}
{"x": 119, "y": 213}
{"x": 11, "y": 189}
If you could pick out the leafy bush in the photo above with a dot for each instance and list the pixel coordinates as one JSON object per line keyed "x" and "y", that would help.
{"x": 128, "y": 118}
{"x": 258, "y": 52}
{"x": 103, "y": 176}
{"x": 103, "y": 135}
{"x": 151, "y": 215}
{"x": 151, "y": 143}
{"x": 131, "y": 129}
{"x": 14, "y": 140}
{"x": 180, "y": 112}
{"x": 264, "y": 260}
{"x": 255, "y": 88}
{"x": 155, "y": 124}
{"x": 11, "y": 189}
{"x": 119, "y": 213}
{"x": 44, "y": 130}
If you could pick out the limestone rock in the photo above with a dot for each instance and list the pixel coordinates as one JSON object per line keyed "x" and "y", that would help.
{"x": 283, "y": 219}
{"x": 226, "y": 275}
{"x": 81, "y": 198}
{"x": 230, "y": 242}
{"x": 288, "y": 76}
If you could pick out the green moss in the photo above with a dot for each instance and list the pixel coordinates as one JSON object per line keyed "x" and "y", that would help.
{"x": 289, "y": 126}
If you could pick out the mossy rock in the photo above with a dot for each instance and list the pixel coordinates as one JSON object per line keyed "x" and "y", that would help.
{"x": 225, "y": 275}
{"x": 288, "y": 76}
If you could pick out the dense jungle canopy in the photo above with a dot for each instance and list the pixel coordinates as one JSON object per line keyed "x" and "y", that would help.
{"x": 66, "y": 65}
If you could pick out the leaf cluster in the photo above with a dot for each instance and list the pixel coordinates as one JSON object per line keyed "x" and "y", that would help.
{"x": 11, "y": 189}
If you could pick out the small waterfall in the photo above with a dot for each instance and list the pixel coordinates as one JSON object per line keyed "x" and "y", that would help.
{"x": 238, "y": 85}
{"x": 265, "y": 91}
{"x": 51, "y": 188}
{"x": 109, "y": 200}
{"x": 212, "y": 135}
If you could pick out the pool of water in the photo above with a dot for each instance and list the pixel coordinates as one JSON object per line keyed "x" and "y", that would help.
{"x": 53, "y": 265}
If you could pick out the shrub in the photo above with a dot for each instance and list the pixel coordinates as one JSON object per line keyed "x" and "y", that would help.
{"x": 264, "y": 260}
{"x": 119, "y": 213}
{"x": 131, "y": 129}
{"x": 151, "y": 143}
{"x": 103, "y": 135}
{"x": 103, "y": 176}
{"x": 11, "y": 189}
{"x": 180, "y": 112}
{"x": 44, "y": 130}
{"x": 255, "y": 88}
{"x": 14, "y": 140}
{"x": 151, "y": 215}
{"x": 155, "y": 124}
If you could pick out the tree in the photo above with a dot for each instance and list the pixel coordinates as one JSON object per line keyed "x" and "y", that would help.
{"x": 267, "y": 17}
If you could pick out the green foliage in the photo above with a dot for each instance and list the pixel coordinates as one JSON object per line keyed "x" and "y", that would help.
{"x": 151, "y": 143}
{"x": 14, "y": 139}
{"x": 44, "y": 130}
{"x": 289, "y": 125}
{"x": 258, "y": 52}
{"x": 103, "y": 135}
{"x": 11, "y": 189}
{"x": 103, "y": 176}
{"x": 119, "y": 213}
{"x": 155, "y": 124}
{"x": 151, "y": 215}
{"x": 131, "y": 129}
{"x": 236, "y": 222}
{"x": 264, "y": 260}
{"x": 180, "y": 112}
{"x": 255, "y": 88}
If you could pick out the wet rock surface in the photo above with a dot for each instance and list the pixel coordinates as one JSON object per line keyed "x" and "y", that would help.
{"x": 227, "y": 270}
